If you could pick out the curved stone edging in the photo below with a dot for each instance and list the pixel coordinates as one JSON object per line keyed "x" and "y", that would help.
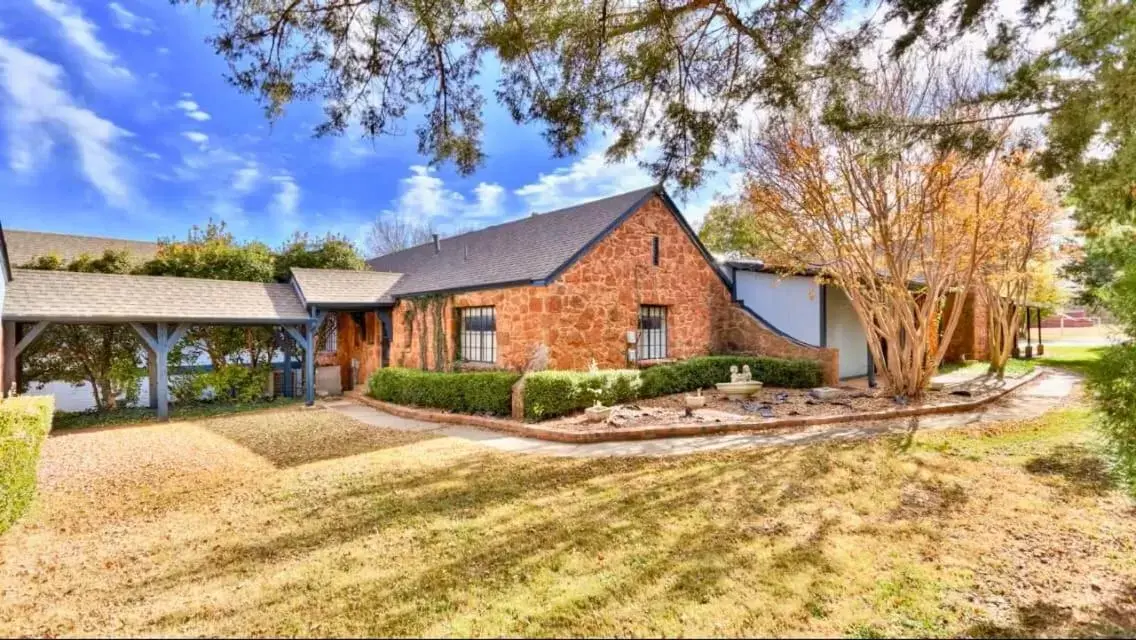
{"x": 680, "y": 430}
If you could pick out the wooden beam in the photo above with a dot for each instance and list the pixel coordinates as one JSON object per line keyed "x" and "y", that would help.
{"x": 9, "y": 357}
{"x": 310, "y": 366}
{"x": 30, "y": 336}
{"x": 296, "y": 335}
{"x": 144, "y": 333}
{"x": 163, "y": 352}
{"x": 178, "y": 333}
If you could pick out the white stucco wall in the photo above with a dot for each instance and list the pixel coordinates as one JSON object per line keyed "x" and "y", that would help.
{"x": 845, "y": 333}
{"x": 792, "y": 303}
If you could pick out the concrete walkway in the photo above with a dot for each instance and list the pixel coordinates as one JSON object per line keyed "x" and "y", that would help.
{"x": 1030, "y": 401}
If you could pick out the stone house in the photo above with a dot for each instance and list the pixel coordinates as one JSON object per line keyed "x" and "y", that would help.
{"x": 622, "y": 281}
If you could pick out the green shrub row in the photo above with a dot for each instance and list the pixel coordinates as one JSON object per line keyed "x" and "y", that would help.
{"x": 706, "y": 371}
{"x": 484, "y": 392}
{"x": 24, "y": 423}
{"x": 549, "y": 394}
{"x": 556, "y": 393}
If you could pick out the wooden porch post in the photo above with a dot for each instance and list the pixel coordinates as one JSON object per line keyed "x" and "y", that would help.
{"x": 1040, "y": 346}
{"x": 9, "y": 357}
{"x": 1029, "y": 334}
{"x": 871, "y": 370}
{"x": 309, "y": 365}
{"x": 159, "y": 344}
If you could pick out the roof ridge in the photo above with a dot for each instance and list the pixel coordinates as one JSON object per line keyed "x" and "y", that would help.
{"x": 18, "y": 270}
{"x": 79, "y": 235}
{"x": 520, "y": 219}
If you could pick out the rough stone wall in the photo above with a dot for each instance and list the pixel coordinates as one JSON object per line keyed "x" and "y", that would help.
{"x": 586, "y": 313}
{"x": 350, "y": 345}
{"x": 970, "y": 336}
{"x": 739, "y": 332}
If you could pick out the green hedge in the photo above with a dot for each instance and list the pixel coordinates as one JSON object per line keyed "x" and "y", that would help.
{"x": 706, "y": 371}
{"x": 486, "y": 392}
{"x": 555, "y": 393}
{"x": 549, "y": 394}
{"x": 24, "y": 423}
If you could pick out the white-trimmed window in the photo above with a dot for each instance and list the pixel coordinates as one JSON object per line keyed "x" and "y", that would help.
{"x": 652, "y": 333}
{"x": 477, "y": 338}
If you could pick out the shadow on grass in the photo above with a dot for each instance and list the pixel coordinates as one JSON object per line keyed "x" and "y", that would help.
{"x": 299, "y": 437}
{"x": 1085, "y": 471}
{"x": 1116, "y": 619}
{"x": 649, "y": 525}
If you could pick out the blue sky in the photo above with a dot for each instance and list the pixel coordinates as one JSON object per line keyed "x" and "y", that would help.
{"x": 117, "y": 121}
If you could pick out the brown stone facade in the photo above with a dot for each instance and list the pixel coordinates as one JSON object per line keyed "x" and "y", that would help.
{"x": 970, "y": 336}
{"x": 354, "y": 342}
{"x": 586, "y": 313}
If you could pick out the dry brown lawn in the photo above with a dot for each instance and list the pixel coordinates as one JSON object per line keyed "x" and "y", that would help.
{"x": 305, "y": 522}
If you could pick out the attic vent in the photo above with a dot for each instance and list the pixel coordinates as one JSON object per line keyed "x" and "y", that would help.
{"x": 533, "y": 214}
{"x": 466, "y": 248}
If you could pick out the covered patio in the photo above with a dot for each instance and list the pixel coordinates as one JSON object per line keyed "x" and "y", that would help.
{"x": 159, "y": 309}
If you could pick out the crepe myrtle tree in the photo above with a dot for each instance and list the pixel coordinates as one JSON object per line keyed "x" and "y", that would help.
{"x": 1020, "y": 212}
{"x": 894, "y": 219}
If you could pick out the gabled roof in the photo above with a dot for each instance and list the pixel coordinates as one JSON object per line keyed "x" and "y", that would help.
{"x": 66, "y": 296}
{"x": 25, "y": 246}
{"x": 530, "y": 250}
{"x": 331, "y": 287}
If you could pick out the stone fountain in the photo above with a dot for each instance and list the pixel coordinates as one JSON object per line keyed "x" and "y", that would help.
{"x": 741, "y": 385}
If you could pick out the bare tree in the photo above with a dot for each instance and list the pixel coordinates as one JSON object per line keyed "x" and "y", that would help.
{"x": 391, "y": 232}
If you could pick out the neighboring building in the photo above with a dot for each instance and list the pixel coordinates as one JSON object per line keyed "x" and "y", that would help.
{"x": 25, "y": 246}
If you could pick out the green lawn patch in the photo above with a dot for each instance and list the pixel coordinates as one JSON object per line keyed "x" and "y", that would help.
{"x": 1014, "y": 368}
{"x": 1078, "y": 359}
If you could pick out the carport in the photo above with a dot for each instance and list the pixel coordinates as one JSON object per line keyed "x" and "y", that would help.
{"x": 160, "y": 309}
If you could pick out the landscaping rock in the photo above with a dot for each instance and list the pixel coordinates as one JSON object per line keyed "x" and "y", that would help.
{"x": 826, "y": 393}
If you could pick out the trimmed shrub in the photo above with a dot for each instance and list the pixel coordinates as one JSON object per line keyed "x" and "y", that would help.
{"x": 233, "y": 383}
{"x": 705, "y": 371}
{"x": 549, "y": 394}
{"x": 485, "y": 392}
{"x": 24, "y": 423}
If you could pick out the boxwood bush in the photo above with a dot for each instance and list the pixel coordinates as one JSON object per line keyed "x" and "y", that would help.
{"x": 555, "y": 393}
{"x": 549, "y": 394}
{"x": 24, "y": 423}
{"x": 705, "y": 371}
{"x": 485, "y": 392}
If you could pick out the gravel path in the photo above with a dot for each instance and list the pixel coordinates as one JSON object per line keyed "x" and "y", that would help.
{"x": 1030, "y": 401}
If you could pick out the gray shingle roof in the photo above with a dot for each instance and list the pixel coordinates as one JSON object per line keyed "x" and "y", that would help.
{"x": 66, "y": 296}
{"x": 25, "y": 246}
{"x": 343, "y": 287}
{"x": 524, "y": 250}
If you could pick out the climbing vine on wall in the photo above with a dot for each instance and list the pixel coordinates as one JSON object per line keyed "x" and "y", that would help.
{"x": 420, "y": 309}
{"x": 439, "y": 306}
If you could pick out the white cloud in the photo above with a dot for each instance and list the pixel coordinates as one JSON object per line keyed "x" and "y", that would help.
{"x": 286, "y": 202}
{"x": 151, "y": 155}
{"x": 425, "y": 197}
{"x": 196, "y": 137}
{"x": 245, "y": 178}
{"x": 192, "y": 110}
{"x": 163, "y": 51}
{"x": 81, "y": 34}
{"x": 41, "y": 112}
{"x": 129, "y": 21}
{"x": 588, "y": 178}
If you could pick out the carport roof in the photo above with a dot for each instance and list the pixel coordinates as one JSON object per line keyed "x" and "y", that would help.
{"x": 65, "y": 296}
{"x": 342, "y": 287}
